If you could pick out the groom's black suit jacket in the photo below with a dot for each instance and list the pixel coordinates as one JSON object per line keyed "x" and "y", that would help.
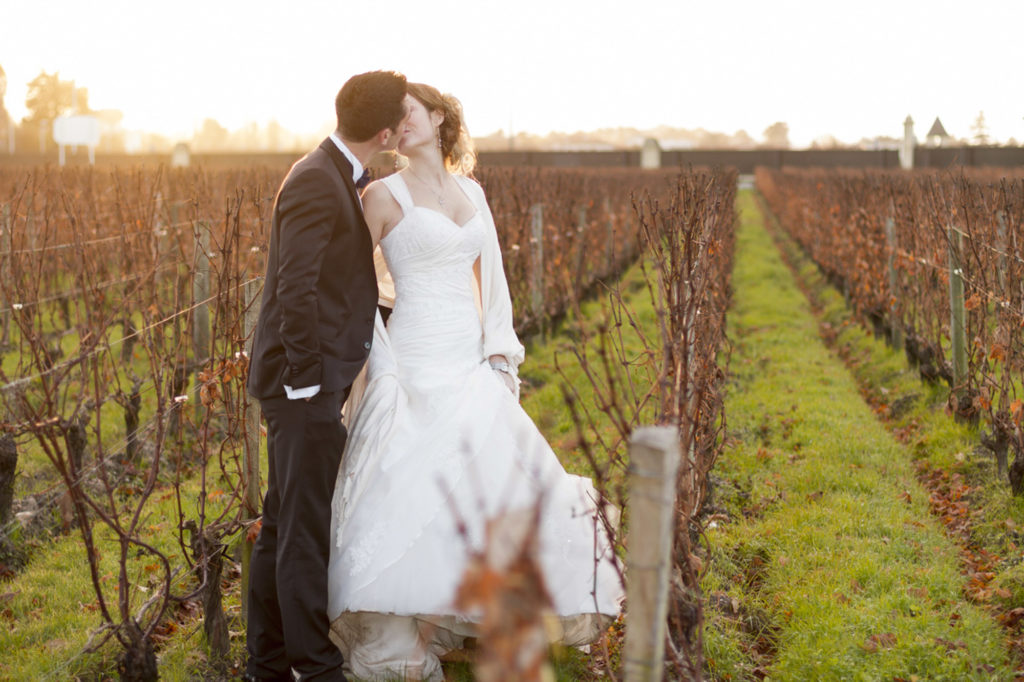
{"x": 320, "y": 294}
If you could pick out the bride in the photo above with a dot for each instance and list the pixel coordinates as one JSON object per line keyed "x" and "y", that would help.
{"x": 438, "y": 443}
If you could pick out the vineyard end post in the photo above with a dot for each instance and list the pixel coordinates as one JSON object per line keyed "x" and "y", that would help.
{"x": 1003, "y": 247}
{"x": 201, "y": 313}
{"x": 895, "y": 323}
{"x": 610, "y": 266}
{"x": 537, "y": 264}
{"x": 957, "y": 327}
{"x": 653, "y": 462}
{"x": 581, "y": 254}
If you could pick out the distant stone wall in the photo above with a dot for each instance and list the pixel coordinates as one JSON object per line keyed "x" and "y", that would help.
{"x": 221, "y": 160}
{"x": 744, "y": 161}
{"x": 747, "y": 160}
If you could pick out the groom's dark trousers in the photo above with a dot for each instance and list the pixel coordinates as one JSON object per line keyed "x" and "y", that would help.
{"x": 315, "y": 329}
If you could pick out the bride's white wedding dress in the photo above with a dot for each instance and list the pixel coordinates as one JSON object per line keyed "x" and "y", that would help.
{"x": 437, "y": 438}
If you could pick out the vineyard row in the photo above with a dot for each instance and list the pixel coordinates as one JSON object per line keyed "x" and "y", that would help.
{"x": 934, "y": 261}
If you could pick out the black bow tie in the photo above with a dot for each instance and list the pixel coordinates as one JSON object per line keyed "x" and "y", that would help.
{"x": 363, "y": 180}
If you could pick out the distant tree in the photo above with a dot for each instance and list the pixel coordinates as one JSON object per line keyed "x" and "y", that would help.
{"x": 158, "y": 144}
{"x": 709, "y": 139}
{"x": 980, "y": 130}
{"x": 111, "y": 135}
{"x": 496, "y": 141}
{"x": 827, "y": 142}
{"x": 742, "y": 140}
{"x": 274, "y": 137}
{"x": 247, "y": 138}
{"x": 777, "y": 135}
{"x": 212, "y": 136}
{"x": 49, "y": 97}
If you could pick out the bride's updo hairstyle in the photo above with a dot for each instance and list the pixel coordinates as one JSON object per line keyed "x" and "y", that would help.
{"x": 456, "y": 145}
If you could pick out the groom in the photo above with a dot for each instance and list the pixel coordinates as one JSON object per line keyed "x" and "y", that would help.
{"x": 313, "y": 337}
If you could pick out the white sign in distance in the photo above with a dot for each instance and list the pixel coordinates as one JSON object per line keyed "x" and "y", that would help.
{"x": 77, "y": 130}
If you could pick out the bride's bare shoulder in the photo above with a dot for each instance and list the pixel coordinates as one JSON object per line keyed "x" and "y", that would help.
{"x": 379, "y": 203}
{"x": 380, "y": 209}
{"x": 378, "y": 193}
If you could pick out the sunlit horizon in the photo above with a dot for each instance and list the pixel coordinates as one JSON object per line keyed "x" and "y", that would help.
{"x": 544, "y": 67}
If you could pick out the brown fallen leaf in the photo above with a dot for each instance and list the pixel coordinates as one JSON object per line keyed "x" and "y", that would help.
{"x": 883, "y": 640}
{"x": 949, "y": 645}
{"x": 918, "y": 592}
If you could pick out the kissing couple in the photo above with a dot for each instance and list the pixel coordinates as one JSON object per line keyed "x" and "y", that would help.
{"x": 369, "y": 524}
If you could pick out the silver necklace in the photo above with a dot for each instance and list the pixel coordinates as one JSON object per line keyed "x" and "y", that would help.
{"x": 439, "y": 197}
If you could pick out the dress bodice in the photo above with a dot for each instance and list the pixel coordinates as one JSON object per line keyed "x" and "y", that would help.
{"x": 430, "y": 257}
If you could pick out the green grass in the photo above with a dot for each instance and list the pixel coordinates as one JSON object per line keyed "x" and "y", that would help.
{"x": 885, "y": 375}
{"x": 542, "y": 395}
{"x": 826, "y": 559}
{"x": 50, "y": 607}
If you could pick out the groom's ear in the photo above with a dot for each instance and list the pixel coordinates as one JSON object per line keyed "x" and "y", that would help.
{"x": 385, "y": 137}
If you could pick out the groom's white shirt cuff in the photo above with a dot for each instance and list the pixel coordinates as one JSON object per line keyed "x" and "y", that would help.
{"x": 300, "y": 393}
{"x": 357, "y": 168}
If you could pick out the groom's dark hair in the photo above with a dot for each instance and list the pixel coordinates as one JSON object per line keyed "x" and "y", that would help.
{"x": 369, "y": 103}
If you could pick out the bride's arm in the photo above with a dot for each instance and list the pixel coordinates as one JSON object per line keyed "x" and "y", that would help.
{"x": 382, "y": 213}
{"x": 381, "y": 210}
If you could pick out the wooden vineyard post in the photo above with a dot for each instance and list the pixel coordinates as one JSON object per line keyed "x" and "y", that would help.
{"x": 201, "y": 313}
{"x": 1003, "y": 247}
{"x": 159, "y": 243}
{"x": 895, "y": 333}
{"x": 581, "y": 254}
{"x": 173, "y": 213}
{"x": 957, "y": 327}
{"x": 653, "y": 462}
{"x": 251, "y": 472}
{"x": 8, "y": 466}
{"x": 179, "y": 379}
{"x": 5, "y": 279}
{"x": 537, "y": 264}
{"x": 30, "y": 223}
{"x": 611, "y": 236}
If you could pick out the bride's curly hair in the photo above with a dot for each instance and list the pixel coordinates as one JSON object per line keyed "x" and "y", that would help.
{"x": 457, "y": 147}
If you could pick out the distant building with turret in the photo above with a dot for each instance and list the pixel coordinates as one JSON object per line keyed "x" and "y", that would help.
{"x": 937, "y": 135}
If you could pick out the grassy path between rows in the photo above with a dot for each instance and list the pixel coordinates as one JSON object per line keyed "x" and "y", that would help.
{"x": 825, "y": 561}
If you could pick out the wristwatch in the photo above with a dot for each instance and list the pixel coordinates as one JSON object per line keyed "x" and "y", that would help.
{"x": 502, "y": 367}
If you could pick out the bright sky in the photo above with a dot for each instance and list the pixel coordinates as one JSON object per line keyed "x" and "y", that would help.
{"x": 850, "y": 69}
